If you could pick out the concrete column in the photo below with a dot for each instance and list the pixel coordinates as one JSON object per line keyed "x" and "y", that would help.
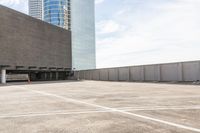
{"x": 199, "y": 70}
{"x": 3, "y": 76}
{"x": 142, "y": 73}
{"x": 78, "y": 75}
{"x": 129, "y": 74}
{"x": 50, "y": 76}
{"x": 108, "y": 75}
{"x": 118, "y": 74}
{"x": 45, "y": 76}
{"x": 90, "y": 75}
{"x": 158, "y": 73}
{"x": 180, "y": 72}
{"x": 57, "y": 74}
{"x": 84, "y": 75}
{"x": 99, "y": 74}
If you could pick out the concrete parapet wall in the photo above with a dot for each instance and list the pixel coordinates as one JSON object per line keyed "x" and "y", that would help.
{"x": 113, "y": 74}
{"x": 124, "y": 74}
{"x": 178, "y": 72}
{"x": 95, "y": 75}
{"x": 104, "y": 75}
{"x": 137, "y": 73}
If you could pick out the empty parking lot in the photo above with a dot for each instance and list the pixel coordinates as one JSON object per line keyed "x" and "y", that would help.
{"x": 99, "y": 107}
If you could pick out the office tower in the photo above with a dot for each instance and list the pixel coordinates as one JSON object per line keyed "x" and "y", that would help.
{"x": 77, "y": 16}
{"x": 57, "y": 12}
{"x": 35, "y": 8}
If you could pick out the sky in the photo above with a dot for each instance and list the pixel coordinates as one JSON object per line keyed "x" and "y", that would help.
{"x": 137, "y": 32}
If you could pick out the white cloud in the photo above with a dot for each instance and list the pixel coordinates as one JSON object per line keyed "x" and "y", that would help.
{"x": 107, "y": 26}
{"x": 99, "y": 1}
{"x": 9, "y": 2}
{"x": 153, "y": 34}
{"x": 19, "y": 5}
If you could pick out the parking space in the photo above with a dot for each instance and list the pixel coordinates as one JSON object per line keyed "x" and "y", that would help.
{"x": 96, "y": 107}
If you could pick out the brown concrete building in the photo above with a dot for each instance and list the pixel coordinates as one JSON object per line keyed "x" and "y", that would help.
{"x": 28, "y": 45}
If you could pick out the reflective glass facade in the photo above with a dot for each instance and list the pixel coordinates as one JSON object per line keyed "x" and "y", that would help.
{"x": 57, "y": 12}
{"x": 77, "y": 16}
{"x": 35, "y": 8}
{"x": 83, "y": 34}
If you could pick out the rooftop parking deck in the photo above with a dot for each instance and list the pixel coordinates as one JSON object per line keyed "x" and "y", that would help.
{"x": 99, "y": 107}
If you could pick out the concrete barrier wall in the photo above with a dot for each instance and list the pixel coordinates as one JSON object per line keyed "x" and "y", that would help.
{"x": 171, "y": 72}
{"x": 181, "y": 71}
{"x": 104, "y": 75}
{"x": 113, "y": 74}
{"x": 81, "y": 75}
{"x": 151, "y": 73}
{"x": 137, "y": 73}
{"x": 95, "y": 75}
{"x": 87, "y": 75}
{"x": 124, "y": 74}
{"x": 191, "y": 71}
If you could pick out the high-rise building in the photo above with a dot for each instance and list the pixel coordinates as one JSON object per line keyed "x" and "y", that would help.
{"x": 77, "y": 16}
{"x": 35, "y": 8}
{"x": 83, "y": 34}
{"x": 57, "y": 12}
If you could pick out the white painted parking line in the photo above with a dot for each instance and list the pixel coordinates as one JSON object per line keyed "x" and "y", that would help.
{"x": 46, "y": 112}
{"x": 114, "y": 110}
{"x": 169, "y": 97}
{"x": 152, "y": 108}
{"x": 50, "y": 114}
{"x": 66, "y": 112}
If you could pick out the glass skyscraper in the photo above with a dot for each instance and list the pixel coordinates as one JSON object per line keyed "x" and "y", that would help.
{"x": 77, "y": 16}
{"x": 35, "y": 8}
{"x": 57, "y": 12}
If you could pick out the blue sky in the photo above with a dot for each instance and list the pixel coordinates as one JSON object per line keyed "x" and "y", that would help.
{"x": 135, "y": 32}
